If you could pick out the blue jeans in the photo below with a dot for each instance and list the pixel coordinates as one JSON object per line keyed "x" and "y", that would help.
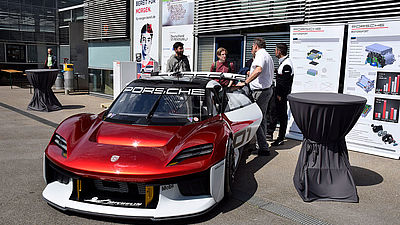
{"x": 262, "y": 99}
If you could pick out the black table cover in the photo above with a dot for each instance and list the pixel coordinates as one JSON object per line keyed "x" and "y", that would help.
{"x": 323, "y": 168}
{"x": 43, "y": 97}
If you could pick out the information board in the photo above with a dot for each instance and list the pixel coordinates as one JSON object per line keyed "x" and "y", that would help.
{"x": 373, "y": 72}
{"x": 316, "y": 53}
{"x": 177, "y": 22}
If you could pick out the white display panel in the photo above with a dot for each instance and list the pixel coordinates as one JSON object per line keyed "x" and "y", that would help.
{"x": 177, "y": 22}
{"x": 316, "y": 53}
{"x": 172, "y": 34}
{"x": 373, "y": 72}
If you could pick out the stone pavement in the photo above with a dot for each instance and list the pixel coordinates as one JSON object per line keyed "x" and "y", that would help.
{"x": 264, "y": 187}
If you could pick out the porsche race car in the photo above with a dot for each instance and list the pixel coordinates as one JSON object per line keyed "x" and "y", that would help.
{"x": 167, "y": 147}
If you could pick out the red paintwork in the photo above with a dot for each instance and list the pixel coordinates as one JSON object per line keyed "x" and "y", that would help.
{"x": 136, "y": 136}
{"x": 92, "y": 142}
{"x": 237, "y": 126}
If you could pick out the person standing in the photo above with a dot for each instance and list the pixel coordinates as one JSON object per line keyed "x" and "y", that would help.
{"x": 222, "y": 65}
{"x": 51, "y": 60}
{"x": 260, "y": 81}
{"x": 178, "y": 62}
{"x": 284, "y": 80}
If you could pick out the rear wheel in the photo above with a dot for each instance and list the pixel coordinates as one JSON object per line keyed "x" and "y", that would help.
{"x": 229, "y": 168}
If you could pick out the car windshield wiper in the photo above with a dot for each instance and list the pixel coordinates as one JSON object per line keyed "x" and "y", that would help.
{"x": 153, "y": 108}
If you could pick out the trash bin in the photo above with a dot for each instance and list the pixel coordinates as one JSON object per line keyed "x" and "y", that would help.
{"x": 68, "y": 78}
{"x": 59, "y": 84}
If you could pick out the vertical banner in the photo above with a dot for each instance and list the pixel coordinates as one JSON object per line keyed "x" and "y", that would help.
{"x": 146, "y": 35}
{"x": 373, "y": 72}
{"x": 177, "y": 22}
{"x": 316, "y": 53}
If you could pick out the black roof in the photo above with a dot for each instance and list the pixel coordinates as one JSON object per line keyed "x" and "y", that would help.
{"x": 171, "y": 81}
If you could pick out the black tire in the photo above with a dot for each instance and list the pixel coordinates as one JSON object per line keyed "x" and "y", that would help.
{"x": 229, "y": 169}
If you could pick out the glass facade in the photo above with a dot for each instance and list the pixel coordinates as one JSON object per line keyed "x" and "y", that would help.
{"x": 101, "y": 81}
{"x": 101, "y": 57}
{"x": 16, "y": 53}
{"x": 64, "y": 19}
{"x": 28, "y": 20}
{"x": 2, "y": 53}
{"x": 68, "y": 3}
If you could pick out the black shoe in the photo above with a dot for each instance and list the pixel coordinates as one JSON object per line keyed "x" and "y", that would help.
{"x": 251, "y": 148}
{"x": 264, "y": 153}
{"x": 277, "y": 142}
{"x": 269, "y": 137}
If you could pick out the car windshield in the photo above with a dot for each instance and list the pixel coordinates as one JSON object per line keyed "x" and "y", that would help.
{"x": 158, "y": 109}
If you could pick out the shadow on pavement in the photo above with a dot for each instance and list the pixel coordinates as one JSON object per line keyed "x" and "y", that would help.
{"x": 73, "y": 106}
{"x": 365, "y": 177}
{"x": 244, "y": 188}
{"x": 289, "y": 144}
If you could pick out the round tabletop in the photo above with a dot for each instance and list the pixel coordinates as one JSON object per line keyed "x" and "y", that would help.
{"x": 41, "y": 70}
{"x": 324, "y": 98}
{"x": 325, "y": 117}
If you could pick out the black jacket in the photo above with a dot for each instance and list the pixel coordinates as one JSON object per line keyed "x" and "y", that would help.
{"x": 284, "y": 78}
{"x": 54, "y": 60}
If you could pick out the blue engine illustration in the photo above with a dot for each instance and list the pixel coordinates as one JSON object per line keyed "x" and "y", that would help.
{"x": 366, "y": 84}
{"x": 314, "y": 55}
{"x": 379, "y": 55}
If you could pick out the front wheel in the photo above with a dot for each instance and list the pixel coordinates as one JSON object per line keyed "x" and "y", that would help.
{"x": 229, "y": 168}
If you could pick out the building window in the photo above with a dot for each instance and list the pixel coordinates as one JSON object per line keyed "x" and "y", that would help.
{"x": 16, "y": 53}
{"x": 65, "y": 18}
{"x": 64, "y": 36}
{"x": 2, "y": 53}
{"x": 32, "y": 54}
{"x": 77, "y": 14}
{"x": 101, "y": 81}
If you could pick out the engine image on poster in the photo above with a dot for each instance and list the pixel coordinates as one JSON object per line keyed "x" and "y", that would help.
{"x": 373, "y": 72}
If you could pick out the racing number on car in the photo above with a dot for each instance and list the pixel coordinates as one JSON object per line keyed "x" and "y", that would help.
{"x": 241, "y": 137}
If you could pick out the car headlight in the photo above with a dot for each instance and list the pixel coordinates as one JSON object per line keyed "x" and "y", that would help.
{"x": 61, "y": 143}
{"x": 192, "y": 152}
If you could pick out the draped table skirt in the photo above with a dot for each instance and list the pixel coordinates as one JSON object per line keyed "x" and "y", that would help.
{"x": 323, "y": 168}
{"x": 43, "y": 97}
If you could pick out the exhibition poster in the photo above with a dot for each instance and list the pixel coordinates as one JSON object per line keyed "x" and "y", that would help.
{"x": 146, "y": 35}
{"x": 316, "y": 53}
{"x": 373, "y": 72}
{"x": 177, "y": 22}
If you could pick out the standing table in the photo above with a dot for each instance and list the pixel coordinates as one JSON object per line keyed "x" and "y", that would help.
{"x": 323, "y": 168}
{"x": 43, "y": 97}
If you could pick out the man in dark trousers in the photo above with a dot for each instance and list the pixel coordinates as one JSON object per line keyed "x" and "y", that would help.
{"x": 284, "y": 80}
{"x": 260, "y": 82}
{"x": 178, "y": 62}
{"x": 51, "y": 60}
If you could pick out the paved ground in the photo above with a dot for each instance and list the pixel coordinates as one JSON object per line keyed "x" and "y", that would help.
{"x": 264, "y": 192}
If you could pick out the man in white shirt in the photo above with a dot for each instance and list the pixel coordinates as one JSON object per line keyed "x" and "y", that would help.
{"x": 260, "y": 81}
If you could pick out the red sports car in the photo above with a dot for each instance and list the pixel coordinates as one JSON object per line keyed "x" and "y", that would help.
{"x": 168, "y": 146}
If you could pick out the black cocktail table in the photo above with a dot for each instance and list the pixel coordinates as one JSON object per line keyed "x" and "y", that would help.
{"x": 323, "y": 168}
{"x": 43, "y": 97}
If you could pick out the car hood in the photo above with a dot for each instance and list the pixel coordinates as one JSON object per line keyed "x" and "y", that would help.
{"x": 111, "y": 149}
{"x": 135, "y": 135}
